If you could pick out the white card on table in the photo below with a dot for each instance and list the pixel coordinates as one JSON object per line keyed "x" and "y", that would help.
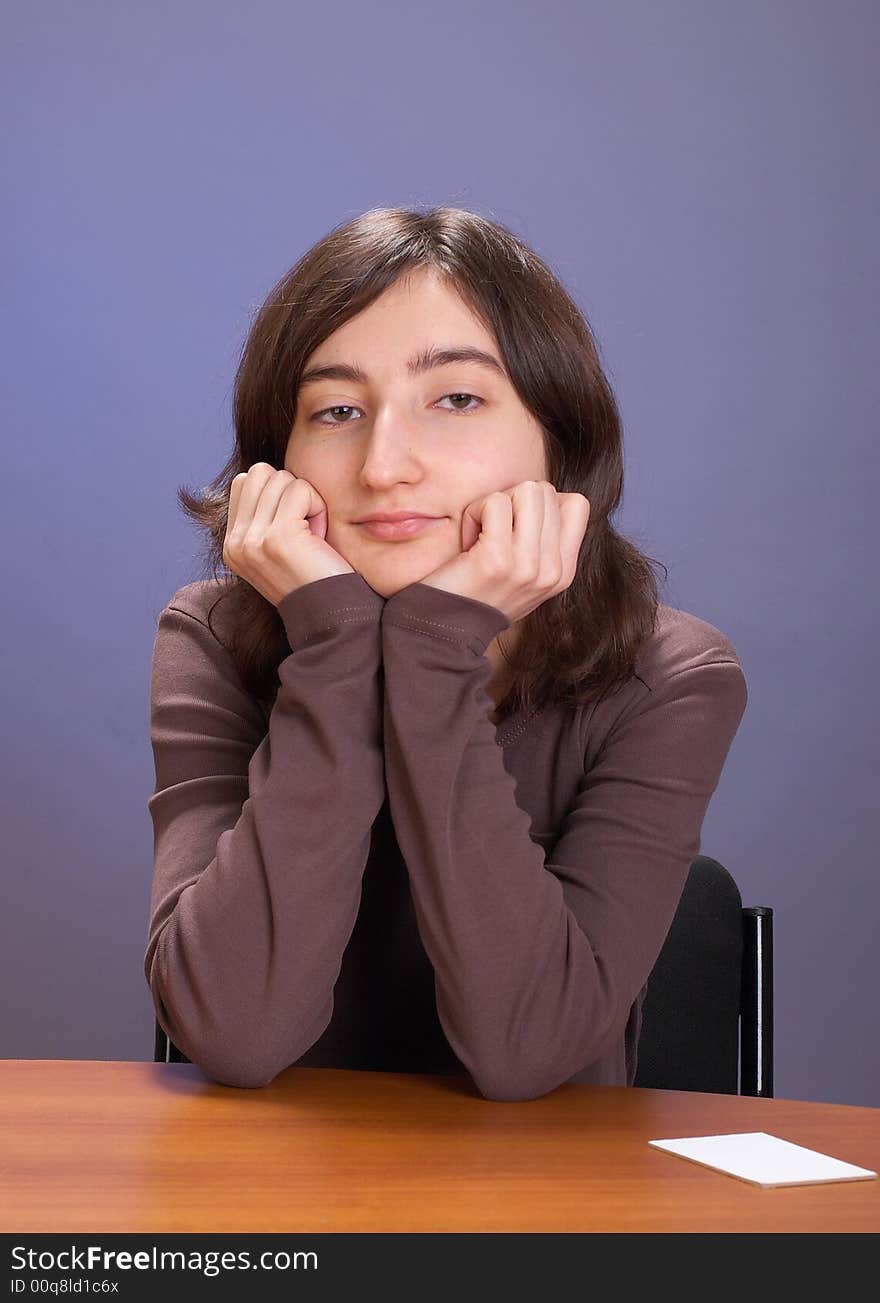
{"x": 763, "y": 1159}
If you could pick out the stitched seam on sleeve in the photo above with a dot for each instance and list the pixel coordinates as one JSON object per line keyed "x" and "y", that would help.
{"x": 688, "y": 669}
{"x": 181, "y": 611}
{"x": 325, "y": 628}
{"x": 422, "y": 626}
{"x": 691, "y": 669}
{"x": 368, "y": 618}
{"x": 361, "y": 606}
{"x": 417, "y": 621}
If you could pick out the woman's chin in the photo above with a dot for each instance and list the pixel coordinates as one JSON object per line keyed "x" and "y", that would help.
{"x": 386, "y": 584}
{"x": 387, "y": 575}
{"x": 390, "y": 566}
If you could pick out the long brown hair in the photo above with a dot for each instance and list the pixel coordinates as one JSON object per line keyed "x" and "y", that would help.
{"x": 575, "y": 647}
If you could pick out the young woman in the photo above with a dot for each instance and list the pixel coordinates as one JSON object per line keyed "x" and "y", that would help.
{"x": 427, "y": 792}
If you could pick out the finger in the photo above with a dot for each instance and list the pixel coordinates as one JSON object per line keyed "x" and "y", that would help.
{"x": 528, "y": 522}
{"x": 551, "y": 559}
{"x": 301, "y": 500}
{"x": 470, "y": 531}
{"x": 494, "y": 517}
{"x": 249, "y": 495}
{"x": 574, "y": 511}
{"x": 265, "y": 510}
{"x": 471, "y": 523}
{"x": 234, "y": 494}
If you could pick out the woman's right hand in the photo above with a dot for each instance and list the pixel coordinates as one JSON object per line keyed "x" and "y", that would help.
{"x": 275, "y": 531}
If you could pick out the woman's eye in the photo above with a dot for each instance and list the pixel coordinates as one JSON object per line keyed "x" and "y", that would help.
{"x": 465, "y": 410}
{"x": 341, "y": 407}
{"x": 345, "y": 407}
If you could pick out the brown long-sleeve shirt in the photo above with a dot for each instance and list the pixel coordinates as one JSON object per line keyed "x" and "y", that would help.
{"x": 376, "y": 876}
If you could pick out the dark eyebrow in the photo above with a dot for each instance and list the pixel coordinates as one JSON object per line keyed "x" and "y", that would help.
{"x": 427, "y": 360}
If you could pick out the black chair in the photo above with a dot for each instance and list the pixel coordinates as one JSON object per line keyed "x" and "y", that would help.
{"x": 707, "y": 1018}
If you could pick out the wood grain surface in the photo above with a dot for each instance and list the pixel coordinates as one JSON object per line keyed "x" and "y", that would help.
{"x": 113, "y": 1146}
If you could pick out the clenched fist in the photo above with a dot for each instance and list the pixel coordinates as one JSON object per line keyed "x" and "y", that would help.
{"x": 275, "y": 532}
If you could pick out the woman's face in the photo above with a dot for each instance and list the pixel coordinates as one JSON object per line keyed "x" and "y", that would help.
{"x": 432, "y": 441}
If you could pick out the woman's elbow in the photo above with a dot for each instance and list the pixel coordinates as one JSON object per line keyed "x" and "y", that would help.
{"x": 242, "y": 1066}
{"x": 506, "y": 1084}
{"x": 242, "y": 1074}
{"x": 240, "y": 1062}
{"x": 234, "y": 1054}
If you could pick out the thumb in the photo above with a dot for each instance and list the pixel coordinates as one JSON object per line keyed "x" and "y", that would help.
{"x": 318, "y": 523}
{"x": 471, "y": 526}
{"x": 316, "y": 511}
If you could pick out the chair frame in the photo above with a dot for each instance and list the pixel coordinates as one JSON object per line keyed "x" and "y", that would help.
{"x": 756, "y": 1009}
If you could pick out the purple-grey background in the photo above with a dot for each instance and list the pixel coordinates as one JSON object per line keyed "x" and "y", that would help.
{"x": 702, "y": 176}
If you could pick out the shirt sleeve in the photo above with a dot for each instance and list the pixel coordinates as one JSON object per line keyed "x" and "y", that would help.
{"x": 538, "y": 963}
{"x": 261, "y": 837}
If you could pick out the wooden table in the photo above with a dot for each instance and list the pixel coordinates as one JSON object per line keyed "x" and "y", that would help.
{"x": 131, "y": 1147}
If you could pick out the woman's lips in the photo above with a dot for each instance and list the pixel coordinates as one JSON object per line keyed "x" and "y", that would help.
{"x": 395, "y": 530}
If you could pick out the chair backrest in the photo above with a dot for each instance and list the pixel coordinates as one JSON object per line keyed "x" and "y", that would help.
{"x": 707, "y": 1018}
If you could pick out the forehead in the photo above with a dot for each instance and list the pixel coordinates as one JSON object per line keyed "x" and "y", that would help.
{"x": 412, "y": 329}
{"x": 419, "y": 311}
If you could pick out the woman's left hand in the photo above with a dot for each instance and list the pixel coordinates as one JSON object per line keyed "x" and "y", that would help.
{"x": 519, "y": 547}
